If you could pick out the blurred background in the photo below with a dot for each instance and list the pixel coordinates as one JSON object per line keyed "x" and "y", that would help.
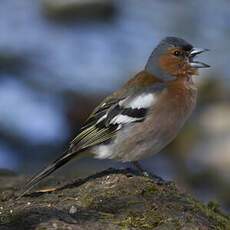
{"x": 59, "y": 58}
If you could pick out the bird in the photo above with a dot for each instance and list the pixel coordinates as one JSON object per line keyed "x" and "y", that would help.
{"x": 144, "y": 115}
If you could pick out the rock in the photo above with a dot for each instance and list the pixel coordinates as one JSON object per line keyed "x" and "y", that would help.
{"x": 72, "y": 9}
{"x": 112, "y": 199}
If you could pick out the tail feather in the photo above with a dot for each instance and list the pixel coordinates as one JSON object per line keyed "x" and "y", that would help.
{"x": 47, "y": 171}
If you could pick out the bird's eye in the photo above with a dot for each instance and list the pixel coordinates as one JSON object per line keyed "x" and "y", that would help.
{"x": 177, "y": 53}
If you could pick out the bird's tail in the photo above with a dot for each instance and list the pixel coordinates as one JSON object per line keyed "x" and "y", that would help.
{"x": 67, "y": 156}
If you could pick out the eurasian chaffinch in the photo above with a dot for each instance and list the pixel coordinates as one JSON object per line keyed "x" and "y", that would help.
{"x": 145, "y": 115}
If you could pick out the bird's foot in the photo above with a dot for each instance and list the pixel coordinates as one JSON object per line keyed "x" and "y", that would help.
{"x": 143, "y": 172}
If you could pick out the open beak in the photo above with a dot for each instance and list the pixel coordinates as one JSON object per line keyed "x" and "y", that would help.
{"x": 197, "y": 64}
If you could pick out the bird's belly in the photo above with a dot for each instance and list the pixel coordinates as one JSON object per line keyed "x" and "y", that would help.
{"x": 150, "y": 137}
{"x": 133, "y": 144}
{"x": 135, "y": 147}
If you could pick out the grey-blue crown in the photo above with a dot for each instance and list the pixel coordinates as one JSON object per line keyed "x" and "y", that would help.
{"x": 177, "y": 42}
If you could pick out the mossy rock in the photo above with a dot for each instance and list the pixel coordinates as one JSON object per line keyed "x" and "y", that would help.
{"x": 112, "y": 199}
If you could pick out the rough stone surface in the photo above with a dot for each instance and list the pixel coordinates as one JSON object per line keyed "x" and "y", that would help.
{"x": 112, "y": 199}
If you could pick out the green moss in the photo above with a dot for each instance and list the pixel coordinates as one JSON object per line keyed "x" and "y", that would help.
{"x": 86, "y": 200}
{"x": 147, "y": 220}
{"x": 215, "y": 217}
{"x": 136, "y": 222}
{"x": 151, "y": 189}
{"x": 214, "y": 206}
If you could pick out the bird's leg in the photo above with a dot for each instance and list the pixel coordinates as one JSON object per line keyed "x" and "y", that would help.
{"x": 140, "y": 169}
{"x": 145, "y": 173}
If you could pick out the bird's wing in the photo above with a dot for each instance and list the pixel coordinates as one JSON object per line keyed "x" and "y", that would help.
{"x": 113, "y": 114}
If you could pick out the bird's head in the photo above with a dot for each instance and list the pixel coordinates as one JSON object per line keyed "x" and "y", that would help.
{"x": 174, "y": 58}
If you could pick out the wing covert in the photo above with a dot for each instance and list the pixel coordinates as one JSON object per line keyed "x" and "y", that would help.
{"x": 112, "y": 115}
